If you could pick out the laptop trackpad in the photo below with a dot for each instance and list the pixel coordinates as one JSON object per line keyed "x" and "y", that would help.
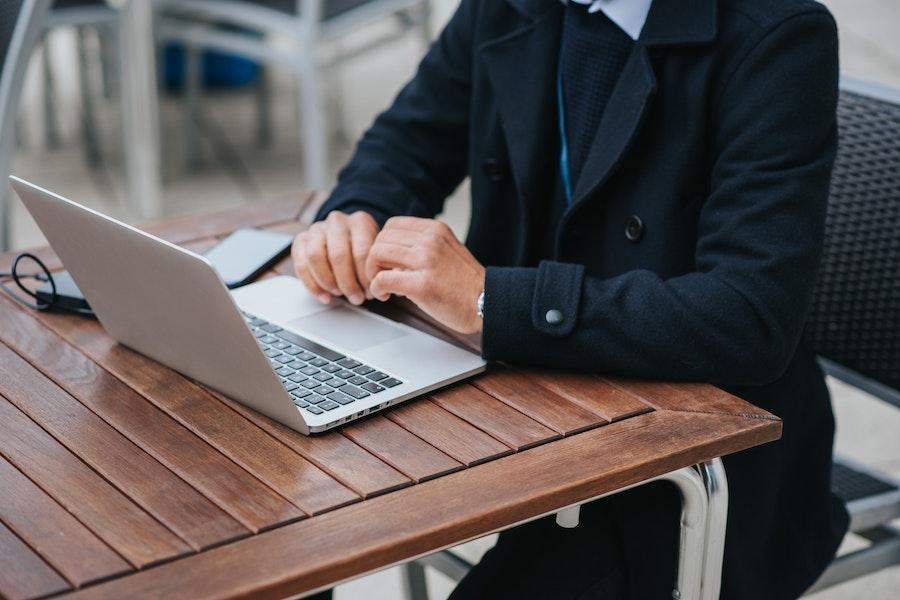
{"x": 347, "y": 328}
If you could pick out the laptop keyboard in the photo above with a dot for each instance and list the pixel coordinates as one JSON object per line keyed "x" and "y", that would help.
{"x": 317, "y": 378}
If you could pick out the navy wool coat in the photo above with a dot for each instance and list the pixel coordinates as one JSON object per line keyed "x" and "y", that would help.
{"x": 689, "y": 251}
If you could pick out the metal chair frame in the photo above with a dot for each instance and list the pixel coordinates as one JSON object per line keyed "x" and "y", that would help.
{"x": 870, "y": 516}
{"x": 106, "y": 20}
{"x": 189, "y": 22}
{"x": 25, "y": 35}
{"x": 133, "y": 21}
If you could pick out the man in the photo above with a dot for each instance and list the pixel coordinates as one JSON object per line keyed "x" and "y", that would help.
{"x": 648, "y": 199}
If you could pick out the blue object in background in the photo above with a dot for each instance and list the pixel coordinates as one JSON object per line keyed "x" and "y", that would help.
{"x": 218, "y": 69}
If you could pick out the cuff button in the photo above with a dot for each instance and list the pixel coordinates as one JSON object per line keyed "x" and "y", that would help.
{"x": 553, "y": 317}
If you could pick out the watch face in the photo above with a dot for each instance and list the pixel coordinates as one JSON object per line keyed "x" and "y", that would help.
{"x": 479, "y": 305}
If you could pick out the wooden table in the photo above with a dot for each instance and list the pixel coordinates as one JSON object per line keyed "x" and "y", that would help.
{"x": 121, "y": 478}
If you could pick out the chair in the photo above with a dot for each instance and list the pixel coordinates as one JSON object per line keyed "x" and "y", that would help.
{"x": 81, "y": 14}
{"x": 306, "y": 24}
{"x": 854, "y": 324}
{"x": 21, "y": 22}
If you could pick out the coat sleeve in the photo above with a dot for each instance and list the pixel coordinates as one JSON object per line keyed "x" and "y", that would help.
{"x": 415, "y": 153}
{"x": 738, "y": 317}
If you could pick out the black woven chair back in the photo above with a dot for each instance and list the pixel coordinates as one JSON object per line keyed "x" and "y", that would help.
{"x": 9, "y": 16}
{"x": 855, "y": 318}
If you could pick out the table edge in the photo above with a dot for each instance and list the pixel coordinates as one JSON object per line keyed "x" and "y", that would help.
{"x": 189, "y": 577}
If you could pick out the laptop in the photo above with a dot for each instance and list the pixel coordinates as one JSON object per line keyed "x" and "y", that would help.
{"x": 269, "y": 345}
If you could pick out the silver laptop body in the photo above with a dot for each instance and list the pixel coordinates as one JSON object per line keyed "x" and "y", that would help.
{"x": 171, "y": 305}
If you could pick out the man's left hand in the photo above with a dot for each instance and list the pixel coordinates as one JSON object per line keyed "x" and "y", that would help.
{"x": 422, "y": 260}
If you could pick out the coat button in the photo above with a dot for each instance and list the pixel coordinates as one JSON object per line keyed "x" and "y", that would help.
{"x": 492, "y": 168}
{"x": 634, "y": 228}
{"x": 554, "y": 317}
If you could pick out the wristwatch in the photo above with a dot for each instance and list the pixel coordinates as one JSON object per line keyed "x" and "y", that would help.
{"x": 479, "y": 305}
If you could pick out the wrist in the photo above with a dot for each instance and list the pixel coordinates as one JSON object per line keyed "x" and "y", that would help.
{"x": 476, "y": 304}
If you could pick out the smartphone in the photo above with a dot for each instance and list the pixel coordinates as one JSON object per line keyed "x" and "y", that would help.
{"x": 246, "y": 254}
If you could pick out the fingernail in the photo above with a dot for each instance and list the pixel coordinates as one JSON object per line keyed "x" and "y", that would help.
{"x": 324, "y": 298}
{"x": 356, "y": 299}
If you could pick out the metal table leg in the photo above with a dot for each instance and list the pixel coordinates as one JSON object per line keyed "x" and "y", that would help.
{"x": 692, "y": 541}
{"x": 716, "y": 484}
{"x": 704, "y": 511}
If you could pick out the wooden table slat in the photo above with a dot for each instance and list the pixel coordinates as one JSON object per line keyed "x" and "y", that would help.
{"x": 592, "y": 393}
{"x": 108, "y": 513}
{"x": 398, "y": 447}
{"x": 499, "y": 420}
{"x": 470, "y": 504}
{"x": 554, "y": 411}
{"x": 232, "y": 488}
{"x": 690, "y": 397}
{"x": 447, "y": 432}
{"x": 295, "y": 478}
{"x": 53, "y": 533}
{"x": 24, "y": 575}
{"x": 335, "y": 454}
{"x": 152, "y": 486}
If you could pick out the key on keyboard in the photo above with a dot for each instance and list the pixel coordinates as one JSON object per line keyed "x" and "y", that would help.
{"x": 295, "y": 358}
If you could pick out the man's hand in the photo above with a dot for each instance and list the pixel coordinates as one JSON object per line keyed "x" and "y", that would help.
{"x": 422, "y": 260}
{"x": 330, "y": 256}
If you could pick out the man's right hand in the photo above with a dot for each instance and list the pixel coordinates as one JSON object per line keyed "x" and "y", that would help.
{"x": 330, "y": 256}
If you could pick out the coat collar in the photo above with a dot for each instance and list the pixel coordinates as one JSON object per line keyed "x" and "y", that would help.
{"x": 680, "y": 22}
{"x": 669, "y": 23}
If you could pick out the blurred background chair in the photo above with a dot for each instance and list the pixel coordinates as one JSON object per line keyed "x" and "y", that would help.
{"x": 124, "y": 30}
{"x": 854, "y": 325}
{"x": 86, "y": 16}
{"x": 20, "y": 27}
{"x": 305, "y": 26}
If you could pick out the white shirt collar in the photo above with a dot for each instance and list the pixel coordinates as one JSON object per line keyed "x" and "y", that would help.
{"x": 629, "y": 15}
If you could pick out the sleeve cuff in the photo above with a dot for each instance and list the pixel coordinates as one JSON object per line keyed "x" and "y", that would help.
{"x": 523, "y": 305}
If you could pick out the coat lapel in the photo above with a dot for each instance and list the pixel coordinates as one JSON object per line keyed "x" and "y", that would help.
{"x": 521, "y": 67}
{"x": 669, "y": 23}
{"x": 624, "y": 112}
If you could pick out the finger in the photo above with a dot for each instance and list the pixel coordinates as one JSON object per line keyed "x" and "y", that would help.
{"x": 430, "y": 227}
{"x": 404, "y": 237}
{"x": 362, "y": 235}
{"x": 301, "y": 268}
{"x": 298, "y": 250}
{"x": 385, "y": 255}
{"x": 408, "y": 223}
{"x": 317, "y": 260}
{"x": 401, "y": 283}
{"x": 340, "y": 257}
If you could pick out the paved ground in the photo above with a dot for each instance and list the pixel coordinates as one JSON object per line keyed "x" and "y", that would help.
{"x": 236, "y": 170}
